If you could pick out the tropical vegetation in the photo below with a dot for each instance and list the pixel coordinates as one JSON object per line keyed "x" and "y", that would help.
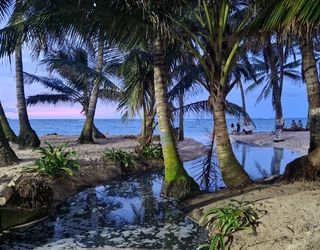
{"x": 235, "y": 216}
{"x": 215, "y": 36}
{"x": 56, "y": 162}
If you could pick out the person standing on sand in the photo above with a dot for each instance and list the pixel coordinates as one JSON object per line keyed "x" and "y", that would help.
{"x": 238, "y": 128}
{"x": 233, "y": 129}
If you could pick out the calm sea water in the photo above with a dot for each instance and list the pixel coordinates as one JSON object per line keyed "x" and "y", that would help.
{"x": 193, "y": 127}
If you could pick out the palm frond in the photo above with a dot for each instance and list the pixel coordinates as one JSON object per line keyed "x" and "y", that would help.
{"x": 49, "y": 99}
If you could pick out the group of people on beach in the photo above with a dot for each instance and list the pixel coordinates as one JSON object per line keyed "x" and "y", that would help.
{"x": 295, "y": 126}
{"x": 245, "y": 130}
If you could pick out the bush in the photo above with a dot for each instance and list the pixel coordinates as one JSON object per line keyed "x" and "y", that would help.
{"x": 152, "y": 152}
{"x": 55, "y": 162}
{"x": 123, "y": 158}
{"x": 227, "y": 220}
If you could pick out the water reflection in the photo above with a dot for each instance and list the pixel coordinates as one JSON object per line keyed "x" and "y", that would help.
{"x": 127, "y": 213}
{"x": 259, "y": 162}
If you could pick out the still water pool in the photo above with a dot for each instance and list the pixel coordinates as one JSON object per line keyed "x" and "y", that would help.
{"x": 131, "y": 213}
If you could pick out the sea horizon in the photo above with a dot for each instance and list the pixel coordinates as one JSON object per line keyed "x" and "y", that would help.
{"x": 193, "y": 127}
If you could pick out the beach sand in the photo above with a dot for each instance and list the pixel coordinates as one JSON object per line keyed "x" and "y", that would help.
{"x": 289, "y": 214}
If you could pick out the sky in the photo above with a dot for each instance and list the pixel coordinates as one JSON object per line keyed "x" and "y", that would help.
{"x": 294, "y": 99}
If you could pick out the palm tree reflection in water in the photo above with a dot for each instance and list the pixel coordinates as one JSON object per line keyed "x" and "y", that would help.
{"x": 254, "y": 159}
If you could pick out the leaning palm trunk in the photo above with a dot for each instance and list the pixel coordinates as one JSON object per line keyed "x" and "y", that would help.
{"x": 233, "y": 174}
{"x": 308, "y": 167}
{"x": 145, "y": 139}
{"x": 97, "y": 133}
{"x": 181, "y": 114}
{"x": 177, "y": 184}
{"x": 9, "y": 133}
{"x": 7, "y": 155}
{"x": 149, "y": 125}
{"x": 86, "y": 134}
{"x": 313, "y": 87}
{"x": 27, "y": 136}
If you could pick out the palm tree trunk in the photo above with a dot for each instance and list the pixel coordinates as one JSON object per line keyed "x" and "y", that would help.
{"x": 181, "y": 114}
{"x": 313, "y": 88}
{"x": 177, "y": 183}
{"x": 7, "y": 155}
{"x": 27, "y": 136}
{"x": 97, "y": 133}
{"x": 276, "y": 93}
{"x": 86, "y": 134}
{"x": 307, "y": 168}
{"x": 233, "y": 174}
{"x": 9, "y": 133}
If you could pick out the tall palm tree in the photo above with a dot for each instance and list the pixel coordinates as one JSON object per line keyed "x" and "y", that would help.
{"x": 299, "y": 18}
{"x": 86, "y": 133}
{"x": 7, "y": 155}
{"x": 271, "y": 66}
{"x": 177, "y": 183}
{"x": 138, "y": 92}
{"x": 73, "y": 65}
{"x": 215, "y": 22}
{"x": 27, "y": 136}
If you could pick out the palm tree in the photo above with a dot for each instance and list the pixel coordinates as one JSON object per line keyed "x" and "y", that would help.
{"x": 27, "y": 136}
{"x": 271, "y": 71}
{"x": 73, "y": 65}
{"x": 9, "y": 133}
{"x": 7, "y": 155}
{"x": 216, "y": 21}
{"x": 301, "y": 19}
{"x": 177, "y": 183}
{"x": 86, "y": 133}
{"x": 138, "y": 92}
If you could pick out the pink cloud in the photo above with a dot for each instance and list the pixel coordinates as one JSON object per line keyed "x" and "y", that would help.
{"x": 41, "y": 112}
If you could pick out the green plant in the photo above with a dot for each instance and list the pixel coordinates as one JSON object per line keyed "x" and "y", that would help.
{"x": 227, "y": 220}
{"x": 55, "y": 162}
{"x": 122, "y": 157}
{"x": 152, "y": 152}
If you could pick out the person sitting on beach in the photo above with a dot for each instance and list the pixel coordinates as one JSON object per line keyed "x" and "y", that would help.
{"x": 233, "y": 129}
{"x": 294, "y": 125}
{"x": 300, "y": 124}
{"x": 246, "y": 129}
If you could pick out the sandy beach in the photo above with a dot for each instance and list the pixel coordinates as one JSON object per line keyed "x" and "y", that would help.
{"x": 289, "y": 214}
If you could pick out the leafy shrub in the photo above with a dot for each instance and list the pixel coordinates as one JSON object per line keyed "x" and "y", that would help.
{"x": 152, "y": 152}
{"x": 123, "y": 158}
{"x": 227, "y": 220}
{"x": 55, "y": 162}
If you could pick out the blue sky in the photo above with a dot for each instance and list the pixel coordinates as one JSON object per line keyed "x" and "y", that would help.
{"x": 294, "y": 99}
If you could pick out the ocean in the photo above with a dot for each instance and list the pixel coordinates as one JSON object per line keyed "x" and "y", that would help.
{"x": 193, "y": 127}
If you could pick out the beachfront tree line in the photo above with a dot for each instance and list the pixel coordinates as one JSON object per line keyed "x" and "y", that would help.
{"x": 216, "y": 34}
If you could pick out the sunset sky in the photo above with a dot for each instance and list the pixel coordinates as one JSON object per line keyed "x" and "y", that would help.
{"x": 294, "y": 100}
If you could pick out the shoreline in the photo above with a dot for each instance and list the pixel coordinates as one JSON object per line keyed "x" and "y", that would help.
{"x": 295, "y": 140}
